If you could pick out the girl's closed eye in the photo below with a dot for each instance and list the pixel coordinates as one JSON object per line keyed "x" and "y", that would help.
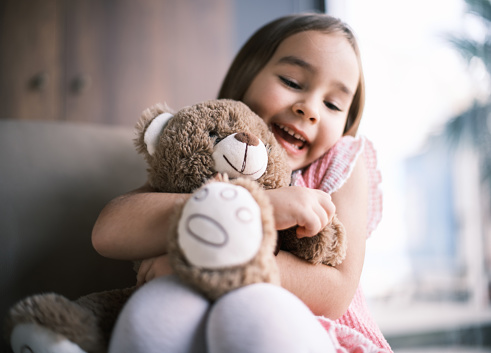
{"x": 332, "y": 106}
{"x": 289, "y": 83}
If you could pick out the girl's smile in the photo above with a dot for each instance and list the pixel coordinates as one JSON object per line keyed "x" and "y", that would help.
{"x": 304, "y": 93}
{"x": 289, "y": 138}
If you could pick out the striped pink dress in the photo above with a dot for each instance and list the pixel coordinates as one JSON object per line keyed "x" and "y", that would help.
{"x": 356, "y": 330}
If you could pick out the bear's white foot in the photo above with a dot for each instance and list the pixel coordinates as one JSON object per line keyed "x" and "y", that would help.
{"x": 220, "y": 226}
{"x": 33, "y": 338}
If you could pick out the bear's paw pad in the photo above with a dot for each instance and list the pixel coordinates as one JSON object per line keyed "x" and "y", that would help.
{"x": 220, "y": 226}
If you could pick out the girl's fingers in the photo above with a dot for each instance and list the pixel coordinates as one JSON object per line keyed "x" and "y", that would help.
{"x": 309, "y": 228}
{"x": 316, "y": 219}
{"x": 143, "y": 271}
{"x": 328, "y": 207}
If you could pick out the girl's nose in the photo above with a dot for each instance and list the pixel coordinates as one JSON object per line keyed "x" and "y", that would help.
{"x": 306, "y": 111}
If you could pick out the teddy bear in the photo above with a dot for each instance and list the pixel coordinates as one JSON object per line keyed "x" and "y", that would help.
{"x": 217, "y": 147}
{"x": 240, "y": 145}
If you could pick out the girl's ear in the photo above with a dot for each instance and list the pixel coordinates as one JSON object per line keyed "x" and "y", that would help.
{"x": 153, "y": 131}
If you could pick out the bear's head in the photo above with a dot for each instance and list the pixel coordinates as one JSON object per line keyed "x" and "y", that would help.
{"x": 186, "y": 148}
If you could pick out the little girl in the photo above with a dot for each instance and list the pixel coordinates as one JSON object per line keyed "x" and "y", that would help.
{"x": 302, "y": 75}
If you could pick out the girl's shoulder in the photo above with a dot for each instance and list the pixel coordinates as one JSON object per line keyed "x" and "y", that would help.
{"x": 333, "y": 169}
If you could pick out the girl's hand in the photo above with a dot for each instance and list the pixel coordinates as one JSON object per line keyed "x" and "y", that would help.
{"x": 153, "y": 268}
{"x": 309, "y": 209}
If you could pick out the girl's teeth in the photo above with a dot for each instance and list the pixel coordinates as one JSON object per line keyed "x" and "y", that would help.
{"x": 291, "y": 132}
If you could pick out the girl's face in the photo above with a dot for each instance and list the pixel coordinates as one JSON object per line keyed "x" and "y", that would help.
{"x": 304, "y": 93}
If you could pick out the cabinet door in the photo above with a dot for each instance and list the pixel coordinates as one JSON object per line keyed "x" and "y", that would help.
{"x": 115, "y": 58}
{"x": 107, "y": 60}
{"x": 123, "y": 56}
{"x": 30, "y": 59}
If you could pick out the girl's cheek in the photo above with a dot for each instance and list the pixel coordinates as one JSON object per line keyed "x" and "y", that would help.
{"x": 264, "y": 103}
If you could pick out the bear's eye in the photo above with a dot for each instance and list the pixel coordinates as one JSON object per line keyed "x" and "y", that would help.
{"x": 214, "y": 136}
{"x": 268, "y": 148}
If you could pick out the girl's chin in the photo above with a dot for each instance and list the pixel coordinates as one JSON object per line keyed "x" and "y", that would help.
{"x": 296, "y": 160}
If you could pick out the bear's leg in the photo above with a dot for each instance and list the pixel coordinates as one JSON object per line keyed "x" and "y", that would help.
{"x": 164, "y": 315}
{"x": 264, "y": 318}
{"x": 52, "y": 323}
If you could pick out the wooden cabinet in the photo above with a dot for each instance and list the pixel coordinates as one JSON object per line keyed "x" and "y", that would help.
{"x": 106, "y": 60}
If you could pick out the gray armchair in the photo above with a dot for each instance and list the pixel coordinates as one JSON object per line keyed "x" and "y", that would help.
{"x": 55, "y": 177}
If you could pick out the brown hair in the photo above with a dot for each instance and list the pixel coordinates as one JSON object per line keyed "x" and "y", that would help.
{"x": 259, "y": 49}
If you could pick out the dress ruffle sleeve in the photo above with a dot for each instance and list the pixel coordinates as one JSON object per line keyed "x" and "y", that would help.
{"x": 375, "y": 200}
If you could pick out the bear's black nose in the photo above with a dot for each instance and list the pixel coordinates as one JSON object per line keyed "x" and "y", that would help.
{"x": 247, "y": 138}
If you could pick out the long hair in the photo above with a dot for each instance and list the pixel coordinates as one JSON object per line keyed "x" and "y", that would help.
{"x": 259, "y": 49}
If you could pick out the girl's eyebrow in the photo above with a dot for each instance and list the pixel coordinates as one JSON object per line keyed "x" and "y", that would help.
{"x": 296, "y": 61}
{"x": 343, "y": 88}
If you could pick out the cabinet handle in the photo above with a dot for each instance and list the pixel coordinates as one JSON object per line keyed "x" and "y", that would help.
{"x": 80, "y": 84}
{"x": 39, "y": 82}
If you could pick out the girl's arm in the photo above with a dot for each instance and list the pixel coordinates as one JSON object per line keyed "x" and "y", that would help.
{"x": 133, "y": 226}
{"x": 326, "y": 290}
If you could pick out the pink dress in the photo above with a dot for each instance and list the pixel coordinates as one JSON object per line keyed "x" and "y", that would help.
{"x": 355, "y": 331}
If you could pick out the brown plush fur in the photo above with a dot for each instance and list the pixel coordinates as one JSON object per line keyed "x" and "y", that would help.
{"x": 87, "y": 321}
{"x": 328, "y": 247}
{"x": 182, "y": 163}
{"x": 72, "y": 321}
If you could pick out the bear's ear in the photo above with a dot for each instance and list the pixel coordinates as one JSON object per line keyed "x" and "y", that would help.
{"x": 153, "y": 131}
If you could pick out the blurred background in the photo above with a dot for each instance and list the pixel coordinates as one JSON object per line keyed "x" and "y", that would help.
{"x": 428, "y": 266}
{"x": 427, "y": 65}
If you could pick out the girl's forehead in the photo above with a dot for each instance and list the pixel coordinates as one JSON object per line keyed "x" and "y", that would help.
{"x": 316, "y": 43}
{"x": 320, "y": 53}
